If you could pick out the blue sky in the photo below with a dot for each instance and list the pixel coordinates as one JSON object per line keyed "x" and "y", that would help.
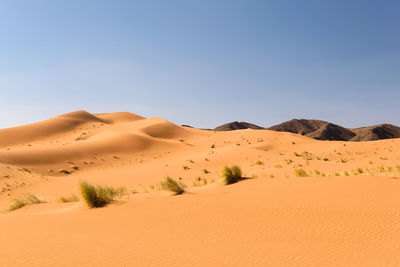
{"x": 202, "y": 62}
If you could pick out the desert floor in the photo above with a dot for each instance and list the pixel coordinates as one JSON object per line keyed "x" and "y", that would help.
{"x": 306, "y": 202}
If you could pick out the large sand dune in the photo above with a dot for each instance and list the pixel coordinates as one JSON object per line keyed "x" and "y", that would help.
{"x": 345, "y": 211}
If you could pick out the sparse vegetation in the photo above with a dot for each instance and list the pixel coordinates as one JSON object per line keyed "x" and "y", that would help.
{"x": 200, "y": 181}
{"x": 231, "y": 175}
{"x": 289, "y": 161}
{"x": 301, "y": 173}
{"x": 185, "y": 168}
{"x": 71, "y": 198}
{"x": 96, "y": 196}
{"x": 65, "y": 172}
{"x": 25, "y": 200}
{"x": 258, "y": 162}
{"x": 169, "y": 184}
{"x": 205, "y": 171}
{"x": 26, "y": 170}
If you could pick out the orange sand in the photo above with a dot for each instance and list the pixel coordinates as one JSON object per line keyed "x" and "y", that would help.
{"x": 345, "y": 218}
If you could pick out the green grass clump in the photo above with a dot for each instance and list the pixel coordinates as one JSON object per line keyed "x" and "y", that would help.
{"x": 97, "y": 196}
{"x": 25, "y": 200}
{"x": 71, "y": 198}
{"x": 301, "y": 173}
{"x": 171, "y": 185}
{"x": 231, "y": 175}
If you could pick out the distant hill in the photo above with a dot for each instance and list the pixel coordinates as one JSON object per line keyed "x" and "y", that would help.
{"x": 377, "y": 132}
{"x": 323, "y": 130}
{"x": 301, "y": 126}
{"x": 237, "y": 126}
{"x": 317, "y": 129}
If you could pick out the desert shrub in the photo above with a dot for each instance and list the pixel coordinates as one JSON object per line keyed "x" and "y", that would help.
{"x": 172, "y": 185}
{"x": 71, "y": 198}
{"x": 25, "y": 200}
{"x": 300, "y": 173}
{"x": 96, "y": 196}
{"x": 231, "y": 175}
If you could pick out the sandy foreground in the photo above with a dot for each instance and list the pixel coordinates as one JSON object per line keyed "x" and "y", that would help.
{"x": 344, "y": 212}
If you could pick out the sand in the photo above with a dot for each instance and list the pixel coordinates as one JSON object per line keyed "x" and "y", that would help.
{"x": 346, "y": 212}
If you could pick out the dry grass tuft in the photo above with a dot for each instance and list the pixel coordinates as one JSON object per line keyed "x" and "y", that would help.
{"x": 71, "y": 198}
{"x": 97, "y": 196}
{"x": 25, "y": 200}
{"x": 169, "y": 184}
{"x": 301, "y": 173}
{"x": 231, "y": 175}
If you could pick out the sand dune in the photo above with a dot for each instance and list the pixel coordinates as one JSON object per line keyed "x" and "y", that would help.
{"x": 342, "y": 210}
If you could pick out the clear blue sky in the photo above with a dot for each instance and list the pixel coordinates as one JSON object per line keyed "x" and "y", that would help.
{"x": 202, "y": 62}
